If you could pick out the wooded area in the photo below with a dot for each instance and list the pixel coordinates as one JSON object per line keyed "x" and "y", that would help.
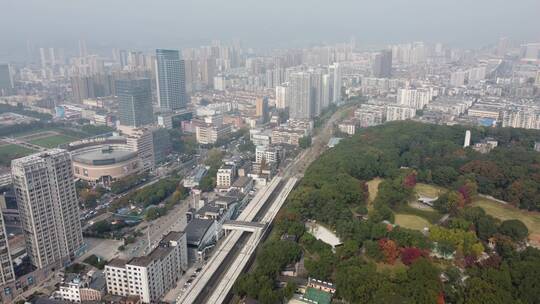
{"x": 453, "y": 263}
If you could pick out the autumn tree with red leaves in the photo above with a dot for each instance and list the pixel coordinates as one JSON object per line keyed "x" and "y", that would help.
{"x": 410, "y": 254}
{"x": 389, "y": 249}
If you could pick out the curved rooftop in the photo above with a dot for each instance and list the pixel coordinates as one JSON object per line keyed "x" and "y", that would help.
{"x": 105, "y": 155}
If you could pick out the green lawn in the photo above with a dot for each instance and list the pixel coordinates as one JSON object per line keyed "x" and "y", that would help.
{"x": 52, "y": 141}
{"x": 507, "y": 212}
{"x": 428, "y": 190}
{"x": 411, "y": 221}
{"x": 10, "y": 152}
{"x": 432, "y": 216}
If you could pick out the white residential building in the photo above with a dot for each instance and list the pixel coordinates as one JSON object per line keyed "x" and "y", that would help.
{"x": 48, "y": 206}
{"x": 300, "y": 106}
{"x": 326, "y": 90}
{"x": 150, "y": 277}
{"x": 281, "y": 96}
{"x": 78, "y": 289}
{"x": 369, "y": 115}
{"x": 210, "y": 134}
{"x": 484, "y": 111}
{"x": 142, "y": 141}
{"x": 477, "y": 74}
{"x": 415, "y": 98}
{"x": 225, "y": 176}
{"x": 457, "y": 79}
{"x": 521, "y": 118}
{"x": 287, "y": 136}
{"x": 6, "y": 266}
{"x": 269, "y": 154}
{"x": 336, "y": 71}
{"x": 260, "y": 137}
{"x": 348, "y": 127}
{"x": 399, "y": 112}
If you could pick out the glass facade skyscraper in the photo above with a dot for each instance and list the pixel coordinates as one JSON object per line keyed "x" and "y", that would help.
{"x": 171, "y": 80}
{"x": 135, "y": 102}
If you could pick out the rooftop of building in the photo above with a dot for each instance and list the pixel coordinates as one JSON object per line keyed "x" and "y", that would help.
{"x": 196, "y": 229}
{"x": 242, "y": 181}
{"x": 38, "y": 157}
{"x": 226, "y": 167}
{"x": 42, "y": 300}
{"x": 288, "y": 130}
{"x": 158, "y": 253}
{"x": 119, "y": 263}
{"x": 173, "y": 236}
{"x": 98, "y": 282}
{"x": 349, "y": 122}
{"x": 209, "y": 208}
{"x": 486, "y": 107}
{"x": 105, "y": 155}
{"x": 73, "y": 278}
{"x": 114, "y": 139}
{"x": 200, "y": 171}
{"x": 227, "y": 198}
{"x": 233, "y": 194}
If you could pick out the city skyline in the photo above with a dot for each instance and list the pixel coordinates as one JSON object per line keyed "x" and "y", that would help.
{"x": 264, "y": 24}
{"x": 305, "y": 151}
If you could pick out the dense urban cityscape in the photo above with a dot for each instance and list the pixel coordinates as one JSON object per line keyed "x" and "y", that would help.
{"x": 332, "y": 172}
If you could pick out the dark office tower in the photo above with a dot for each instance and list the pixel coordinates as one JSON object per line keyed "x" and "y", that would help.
{"x": 171, "y": 80}
{"x": 6, "y": 83}
{"x": 135, "y": 102}
{"x": 162, "y": 144}
{"x": 382, "y": 64}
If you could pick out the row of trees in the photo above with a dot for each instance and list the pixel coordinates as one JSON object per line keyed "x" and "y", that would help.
{"x": 5, "y": 108}
{"x": 214, "y": 160}
{"x": 150, "y": 195}
{"x": 128, "y": 183}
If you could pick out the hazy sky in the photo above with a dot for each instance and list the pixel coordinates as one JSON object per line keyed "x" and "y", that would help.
{"x": 176, "y": 23}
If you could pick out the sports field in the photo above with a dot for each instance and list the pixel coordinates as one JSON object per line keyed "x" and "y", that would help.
{"x": 52, "y": 141}
{"x": 11, "y": 151}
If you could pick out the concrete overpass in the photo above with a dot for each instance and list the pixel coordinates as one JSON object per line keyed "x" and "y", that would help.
{"x": 239, "y": 246}
{"x": 243, "y": 226}
{"x": 226, "y": 246}
{"x": 220, "y": 293}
